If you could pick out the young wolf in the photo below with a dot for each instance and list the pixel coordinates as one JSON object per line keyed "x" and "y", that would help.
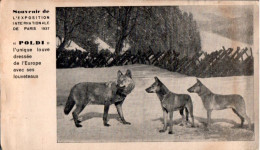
{"x": 171, "y": 102}
{"x": 213, "y": 101}
{"x": 106, "y": 93}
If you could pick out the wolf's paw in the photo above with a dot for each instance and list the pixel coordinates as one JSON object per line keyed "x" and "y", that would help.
{"x": 170, "y": 132}
{"x": 78, "y": 121}
{"x": 106, "y": 124}
{"x": 78, "y": 125}
{"x": 125, "y": 122}
{"x": 193, "y": 126}
{"x": 161, "y": 131}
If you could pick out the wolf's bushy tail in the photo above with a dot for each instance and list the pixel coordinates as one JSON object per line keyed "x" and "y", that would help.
{"x": 69, "y": 105}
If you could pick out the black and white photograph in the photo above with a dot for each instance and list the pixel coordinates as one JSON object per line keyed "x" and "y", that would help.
{"x": 155, "y": 73}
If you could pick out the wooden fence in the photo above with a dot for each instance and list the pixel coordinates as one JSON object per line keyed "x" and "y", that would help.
{"x": 223, "y": 62}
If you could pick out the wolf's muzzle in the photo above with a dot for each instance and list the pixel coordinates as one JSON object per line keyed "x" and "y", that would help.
{"x": 148, "y": 90}
{"x": 189, "y": 90}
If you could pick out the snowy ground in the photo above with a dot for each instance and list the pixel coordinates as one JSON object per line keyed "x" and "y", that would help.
{"x": 143, "y": 110}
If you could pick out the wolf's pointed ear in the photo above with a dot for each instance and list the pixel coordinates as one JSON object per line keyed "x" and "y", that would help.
{"x": 119, "y": 73}
{"x": 156, "y": 79}
{"x": 128, "y": 73}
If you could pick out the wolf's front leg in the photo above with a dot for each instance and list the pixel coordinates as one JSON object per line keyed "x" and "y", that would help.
{"x": 171, "y": 123}
{"x": 165, "y": 114}
{"x": 106, "y": 108}
{"x": 209, "y": 118}
{"x": 120, "y": 112}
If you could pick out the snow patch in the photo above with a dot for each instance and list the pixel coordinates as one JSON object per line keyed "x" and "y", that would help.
{"x": 103, "y": 45}
{"x": 70, "y": 46}
{"x": 126, "y": 47}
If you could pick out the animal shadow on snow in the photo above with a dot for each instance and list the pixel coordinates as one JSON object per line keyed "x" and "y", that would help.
{"x": 174, "y": 122}
{"x": 229, "y": 121}
{"x": 90, "y": 115}
{"x": 203, "y": 122}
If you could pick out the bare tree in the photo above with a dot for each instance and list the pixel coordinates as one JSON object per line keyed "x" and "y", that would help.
{"x": 68, "y": 19}
{"x": 125, "y": 18}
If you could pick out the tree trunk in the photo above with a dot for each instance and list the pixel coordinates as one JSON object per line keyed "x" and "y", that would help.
{"x": 123, "y": 27}
{"x": 66, "y": 36}
{"x": 119, "y": 45}
{"x": 62, "y": 45}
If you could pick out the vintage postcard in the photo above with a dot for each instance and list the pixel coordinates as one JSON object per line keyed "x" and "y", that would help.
{"x": 133, "y": 74}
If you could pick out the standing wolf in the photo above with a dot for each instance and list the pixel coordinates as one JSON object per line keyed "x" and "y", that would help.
{"x": 171, "y": 102}
{"x": 102, "y": 94}
{"x": 212, "y": 101}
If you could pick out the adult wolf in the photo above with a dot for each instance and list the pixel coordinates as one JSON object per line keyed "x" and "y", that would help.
{"x": 212, "y": 101}
{"x": 171, "y": 102}
{"x": 105, "y": 93}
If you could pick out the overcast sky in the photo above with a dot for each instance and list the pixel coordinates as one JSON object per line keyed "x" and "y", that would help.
{"x": 234, "y": 22}
{"x": 205, "y": 13}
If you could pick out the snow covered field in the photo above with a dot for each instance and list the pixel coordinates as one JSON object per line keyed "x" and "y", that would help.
{"x": 143, "y": 110}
